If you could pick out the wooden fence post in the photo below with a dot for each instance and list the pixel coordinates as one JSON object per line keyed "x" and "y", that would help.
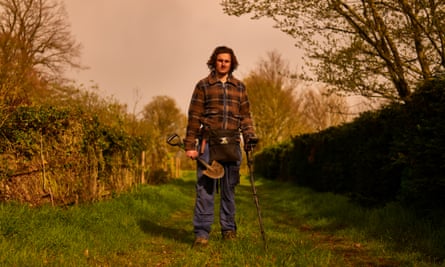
{"x": 143, "y": 167}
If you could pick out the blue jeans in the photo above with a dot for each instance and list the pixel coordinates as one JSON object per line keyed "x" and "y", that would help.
{"x": 206, "y": 189}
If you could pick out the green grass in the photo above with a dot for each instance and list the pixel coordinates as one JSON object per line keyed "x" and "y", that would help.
{"x": 152, "y": 227}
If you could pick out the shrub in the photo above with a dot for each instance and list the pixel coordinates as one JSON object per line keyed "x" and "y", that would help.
{"x": 393, "y": 154}
{"x": 64, "y": 155}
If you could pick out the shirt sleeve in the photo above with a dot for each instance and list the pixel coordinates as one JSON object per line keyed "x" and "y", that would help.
{"x": 246, "y": 118}
{"x": 195, "y": 113}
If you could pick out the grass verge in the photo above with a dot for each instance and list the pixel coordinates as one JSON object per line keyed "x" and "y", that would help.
{"x": 152, "y": 227}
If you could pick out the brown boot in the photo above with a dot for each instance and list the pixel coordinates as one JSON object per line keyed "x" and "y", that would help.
{"x": 229, "y": 235}
{"x": 200, "y": 242}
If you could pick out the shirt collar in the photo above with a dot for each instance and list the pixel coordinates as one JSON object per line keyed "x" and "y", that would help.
{"x": 230, "y": 79}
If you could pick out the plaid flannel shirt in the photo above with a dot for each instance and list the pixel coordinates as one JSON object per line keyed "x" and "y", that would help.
{"x": 218, "y": 106}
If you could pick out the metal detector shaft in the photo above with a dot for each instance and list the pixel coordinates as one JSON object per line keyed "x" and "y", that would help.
{"x": 255, "y": 196}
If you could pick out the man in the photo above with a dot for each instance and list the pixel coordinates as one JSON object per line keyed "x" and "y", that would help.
{"x": 219, "y": 102}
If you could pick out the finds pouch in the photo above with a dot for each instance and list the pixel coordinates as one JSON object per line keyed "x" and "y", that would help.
{"x": 224, "y": 145}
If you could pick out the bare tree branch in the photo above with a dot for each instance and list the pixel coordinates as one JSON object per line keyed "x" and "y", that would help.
{"x": 401, "y": 41}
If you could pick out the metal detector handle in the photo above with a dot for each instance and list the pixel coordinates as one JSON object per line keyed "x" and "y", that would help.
{"x": 250, "y": 145}
{"x": 175, "y": 140}
{"x": 253, "y": 140}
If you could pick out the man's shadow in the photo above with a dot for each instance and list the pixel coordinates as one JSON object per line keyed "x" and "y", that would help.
{"x": 151, "y": 228}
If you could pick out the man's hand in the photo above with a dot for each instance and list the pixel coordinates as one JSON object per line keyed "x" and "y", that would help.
{"x": 250, "y": 143}
{"x": 193, "y": 154}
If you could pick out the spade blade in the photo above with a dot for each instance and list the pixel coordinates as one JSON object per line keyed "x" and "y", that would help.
{"x": 214, "y": 170}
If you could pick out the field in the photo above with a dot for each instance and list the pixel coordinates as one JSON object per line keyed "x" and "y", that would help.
{"x": 151, "y": 226}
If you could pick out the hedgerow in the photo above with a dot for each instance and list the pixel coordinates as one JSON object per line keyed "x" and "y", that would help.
{"x": 394, "y": 154}
{"x": 65, "y": 155}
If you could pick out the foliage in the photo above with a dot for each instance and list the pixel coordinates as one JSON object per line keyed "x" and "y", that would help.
{"x": 273, "y": 105}
{"x": 321, "y": 110}
{"x": 162, "y": 118}
{"x": 35, "y": 47}
{"x": 370, "y": 48}
{"x": 151, "y": 226}
{"x": 421, "y": 147}
{"x": 86, "y": 147}
{"x": 394, "y": 154}
{"x": 271, "y": 161}
{"x": 63, "y": 155}
{"x": 61, "y": 142}
{"x": 279, "y": 111}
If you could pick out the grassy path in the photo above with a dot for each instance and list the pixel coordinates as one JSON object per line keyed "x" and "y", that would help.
{"x": 152, "y": 227}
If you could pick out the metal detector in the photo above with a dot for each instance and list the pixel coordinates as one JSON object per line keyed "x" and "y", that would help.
{"x": 249, "y": 150}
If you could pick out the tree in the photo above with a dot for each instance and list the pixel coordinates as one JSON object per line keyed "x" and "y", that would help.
{"x": 369, "y": 48}
{"x": 35, "y": 47}
{"x": 321, "y": 110}
{"x": 274, "y": 107}
{"x": 162, "y": 117}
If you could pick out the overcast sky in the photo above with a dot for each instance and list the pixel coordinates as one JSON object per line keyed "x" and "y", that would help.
{"x": 161, "y": 47}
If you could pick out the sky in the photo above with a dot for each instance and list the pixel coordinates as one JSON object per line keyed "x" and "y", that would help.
{"x": 138, "y": 49}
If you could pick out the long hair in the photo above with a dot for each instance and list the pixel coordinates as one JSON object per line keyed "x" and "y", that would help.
{"x": 211, "y": 63}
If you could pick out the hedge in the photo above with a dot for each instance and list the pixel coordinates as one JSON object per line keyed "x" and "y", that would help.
{"x": 396, "y": 153}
